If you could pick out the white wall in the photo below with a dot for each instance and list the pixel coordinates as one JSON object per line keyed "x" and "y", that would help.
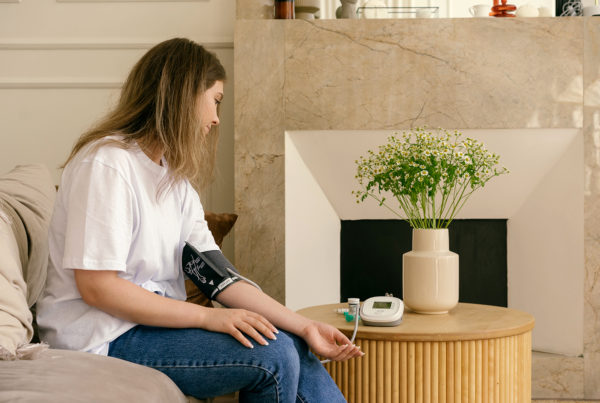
{"x": 312, "y": 239}
{"x": 62, "y": 63}
{"x": 134, "y": 20}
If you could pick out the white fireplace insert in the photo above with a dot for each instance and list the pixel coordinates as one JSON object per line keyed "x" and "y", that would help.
{"x": 542, "y": 199}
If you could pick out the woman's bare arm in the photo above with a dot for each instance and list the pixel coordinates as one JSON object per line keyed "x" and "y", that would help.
{"x": 110, "y": 293}
{"x": 322, "y": 338}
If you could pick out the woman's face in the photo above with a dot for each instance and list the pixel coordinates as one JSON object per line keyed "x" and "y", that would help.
{"x": 207, "y": 105}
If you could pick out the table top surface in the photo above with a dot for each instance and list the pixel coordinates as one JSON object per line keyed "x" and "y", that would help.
{"x": 464, "y": 322}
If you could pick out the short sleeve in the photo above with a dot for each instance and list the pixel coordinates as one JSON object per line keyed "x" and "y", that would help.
{"x": 200, "y": 236}
{"x": 100, "y": 218}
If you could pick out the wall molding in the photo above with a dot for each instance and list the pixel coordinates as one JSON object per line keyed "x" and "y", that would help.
{"x": 64, "y": 45}
{"x": 129, "y": 1}
{"x": 90, "y": 84}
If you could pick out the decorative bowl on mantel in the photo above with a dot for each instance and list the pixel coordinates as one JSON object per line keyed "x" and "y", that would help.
{"x": 306, "y": 8}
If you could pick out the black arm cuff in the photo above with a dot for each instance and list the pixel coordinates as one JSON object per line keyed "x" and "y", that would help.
{"x": 210, "y": 271}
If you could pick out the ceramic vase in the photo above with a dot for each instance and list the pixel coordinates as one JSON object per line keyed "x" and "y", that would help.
{"x": 430, "y": 273}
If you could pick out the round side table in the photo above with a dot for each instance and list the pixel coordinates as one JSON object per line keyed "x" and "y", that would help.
{"x": 475, "y": 353}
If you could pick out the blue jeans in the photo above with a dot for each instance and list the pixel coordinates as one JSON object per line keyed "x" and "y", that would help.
{"x": 205, "y": 364}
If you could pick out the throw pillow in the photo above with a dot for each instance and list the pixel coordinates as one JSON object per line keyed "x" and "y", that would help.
{"x": 219, "y": 225}
{"x": 15, "y": 318}
{"x": 30, "y": 191}
{"x": 26, "y": 200}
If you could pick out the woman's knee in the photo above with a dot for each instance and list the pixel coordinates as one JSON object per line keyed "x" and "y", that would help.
{"x": 277, "y": 372}
{"x": 282, "y": 355}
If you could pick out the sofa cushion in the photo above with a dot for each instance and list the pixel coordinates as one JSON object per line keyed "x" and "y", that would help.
{"x": 15, "y": 317}
{"x": 73, "y": 376}
{"x": 26, "y": 200}
{"x": 30, "y": 191}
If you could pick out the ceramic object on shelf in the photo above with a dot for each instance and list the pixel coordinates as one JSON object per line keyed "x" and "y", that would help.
{"x": 430, "y": 273}
{"x": 304, "y": 16}
{"x": 306, "y": 9}
{"x": 545, "y": 12}
{"x": 528, "y": 11}
{"x": 591, "y": 11}
{"x": 480, "y": 10}
{"x": 347, "y": 10}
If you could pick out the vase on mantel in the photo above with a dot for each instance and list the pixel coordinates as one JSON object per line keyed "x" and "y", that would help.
{"x": 430, "y": 273}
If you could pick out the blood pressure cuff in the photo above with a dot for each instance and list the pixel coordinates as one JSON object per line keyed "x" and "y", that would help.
{"x": 210, "y": 270}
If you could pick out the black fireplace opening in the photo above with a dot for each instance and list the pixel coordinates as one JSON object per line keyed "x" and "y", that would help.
{"x": 371, "y": 258}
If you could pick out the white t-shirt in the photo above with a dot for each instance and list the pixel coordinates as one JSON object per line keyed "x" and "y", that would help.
{"x": 107, "y": 217}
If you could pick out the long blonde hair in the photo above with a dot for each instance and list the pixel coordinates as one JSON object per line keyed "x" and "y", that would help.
{"x": 157, "y": 109}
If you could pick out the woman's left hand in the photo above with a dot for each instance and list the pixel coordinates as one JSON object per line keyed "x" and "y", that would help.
{"x": 329, "y": 342}
{"x": 322, "y": 338}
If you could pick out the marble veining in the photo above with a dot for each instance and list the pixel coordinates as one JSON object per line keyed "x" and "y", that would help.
{"x": 394, "y": 74}
{"x": 389, "y": 74}
{"x": 259, "y": 148}
{"x": 556, "y": 376}
{"x": 591, "y": 80}
{"x": 254, "y": 9}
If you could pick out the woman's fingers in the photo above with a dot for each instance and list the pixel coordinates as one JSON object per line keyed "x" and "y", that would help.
{"x": 351, "y": 351}
{"x": 258, "y": 326}
{"x": 339, "y": 356}
{"x": 239, "y": 336}
{"x": 347, "y": 351}
{"x": 355, "y": 352}
{"x": 330, "y": 342}
{"x": 264, "y": 326}
{"x": 340, "y": 338}
{"x": 268, "y": 325}
{"x": 248, "y": 323}
{"x": 252, "y": 332}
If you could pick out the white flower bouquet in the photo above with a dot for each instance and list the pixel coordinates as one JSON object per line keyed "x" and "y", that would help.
{"x": 431, "y": 175}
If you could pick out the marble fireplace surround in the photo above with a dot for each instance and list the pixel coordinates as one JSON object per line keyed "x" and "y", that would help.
{"x": 390, "y": 75}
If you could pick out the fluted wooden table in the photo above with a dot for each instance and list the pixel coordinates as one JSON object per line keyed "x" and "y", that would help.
{"x": 475, "y": 353}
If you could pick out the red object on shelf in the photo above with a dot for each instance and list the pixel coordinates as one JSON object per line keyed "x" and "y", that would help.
{"x": 502, "y": 10}
{"x": 284, "y": 9}
{"x": 504, "y": 7}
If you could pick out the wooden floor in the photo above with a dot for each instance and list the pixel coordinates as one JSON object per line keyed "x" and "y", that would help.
{"x": 562, "y": 401}
{"x": 234, "y": 399}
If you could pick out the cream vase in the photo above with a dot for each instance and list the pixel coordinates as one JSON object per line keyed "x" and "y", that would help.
{"x": 430, "y": 273}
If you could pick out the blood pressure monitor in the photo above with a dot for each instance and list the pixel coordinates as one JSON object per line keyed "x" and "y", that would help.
{"x": 382, "y": 311}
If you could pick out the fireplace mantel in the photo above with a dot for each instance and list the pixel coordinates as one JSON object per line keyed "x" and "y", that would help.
{"x": 395, "y": 74}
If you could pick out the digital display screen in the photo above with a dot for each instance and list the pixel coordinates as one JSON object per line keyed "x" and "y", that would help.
{"x": 382, "y": 305}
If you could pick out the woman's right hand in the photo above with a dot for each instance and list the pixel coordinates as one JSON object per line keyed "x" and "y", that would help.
{"x": 105, "y": 290}
{"x": 237, "y": 322}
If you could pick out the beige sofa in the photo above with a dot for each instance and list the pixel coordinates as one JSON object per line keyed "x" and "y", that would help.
{"x": 31, "y": 372}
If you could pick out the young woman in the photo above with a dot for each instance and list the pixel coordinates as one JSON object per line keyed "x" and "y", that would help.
{"x": 124, "y": 212}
